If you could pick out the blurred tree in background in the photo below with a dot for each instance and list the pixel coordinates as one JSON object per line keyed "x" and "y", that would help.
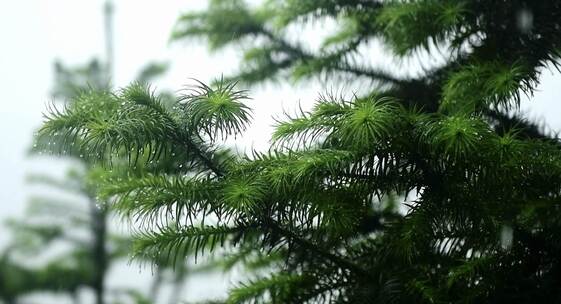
{"x": 324, "y": 216}
{"x": 51, "y": 221}
{"x": 78, "y": 226}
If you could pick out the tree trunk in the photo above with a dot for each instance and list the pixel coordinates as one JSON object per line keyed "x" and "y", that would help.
{"x": 179, "y": 280}
{"x": 99, "y": 254}
{"x": 156, "y": 283}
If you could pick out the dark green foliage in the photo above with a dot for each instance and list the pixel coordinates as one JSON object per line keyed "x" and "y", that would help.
{"x": 425, "y": 189}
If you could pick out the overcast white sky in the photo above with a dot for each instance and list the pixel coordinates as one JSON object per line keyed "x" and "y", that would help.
{"x": 33, "y": 33}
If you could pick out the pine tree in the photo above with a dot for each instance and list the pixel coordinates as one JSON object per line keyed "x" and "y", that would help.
{"x": 324, "y": 214}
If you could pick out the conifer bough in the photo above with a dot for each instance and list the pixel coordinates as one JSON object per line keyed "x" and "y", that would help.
{"x": 423, "y": 189}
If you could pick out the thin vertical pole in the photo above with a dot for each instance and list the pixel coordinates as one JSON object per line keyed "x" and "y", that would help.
{"x": 108, "y": 16}
{"x": 99, "y": 212}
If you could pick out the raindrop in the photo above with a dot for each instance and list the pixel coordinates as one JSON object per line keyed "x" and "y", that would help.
{"x": 506, "y": 236}
{"x": 525, "y": 20}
